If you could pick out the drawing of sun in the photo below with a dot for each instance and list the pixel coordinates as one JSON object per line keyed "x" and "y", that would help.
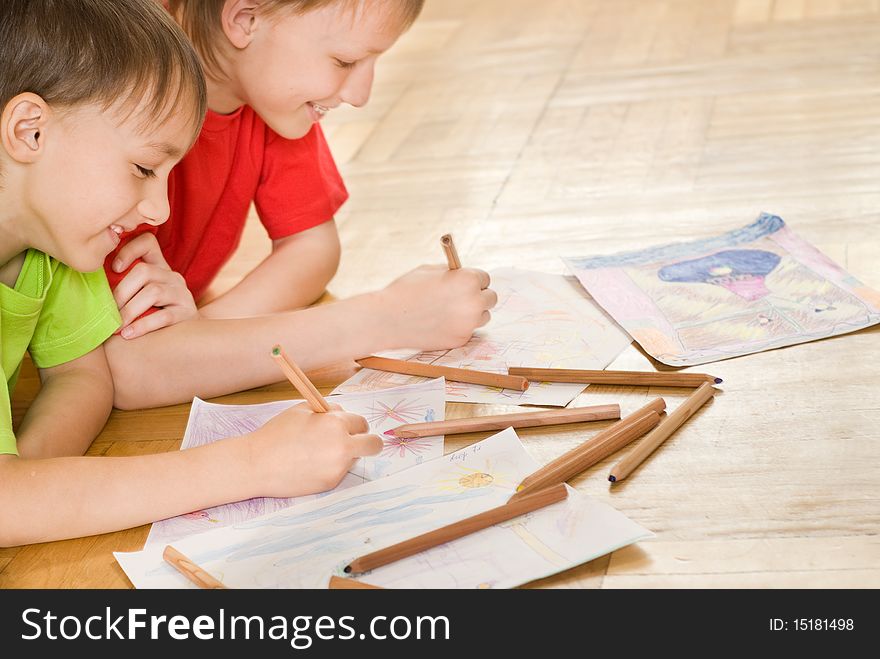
{"x": 401, "y": 446}
{"x": 463, "y": 478}
{"x": 476, "y": 479}
{"x": 403, "y": 411}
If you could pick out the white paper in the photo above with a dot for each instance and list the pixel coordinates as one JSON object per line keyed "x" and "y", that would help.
{"x": 303, "y": 546}
{"x": 541, "y": 321}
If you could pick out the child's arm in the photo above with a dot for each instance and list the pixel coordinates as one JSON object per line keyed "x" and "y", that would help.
{"x": 298, "y": 452}
{"x": 72, "y": 406}
{"x": 430, "y": 308}
{"x": 294, "y": 275}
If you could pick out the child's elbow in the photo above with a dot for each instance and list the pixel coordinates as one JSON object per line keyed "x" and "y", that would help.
{"x": 131, "y": 375}
{"x": 134, "y": 397}
{"x": 331, "y": 254}
{"x": 141, "y": 394}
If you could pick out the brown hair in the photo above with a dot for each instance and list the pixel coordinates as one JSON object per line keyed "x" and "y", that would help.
{"x": 201, "y": 18}
{"x": 110, "y": 52}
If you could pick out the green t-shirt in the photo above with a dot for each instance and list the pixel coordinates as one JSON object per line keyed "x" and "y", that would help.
{"x": 55, "y": 313}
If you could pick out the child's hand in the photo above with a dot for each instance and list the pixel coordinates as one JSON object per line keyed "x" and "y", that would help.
{"x": 151, "y": 283}
{"x": 302, "y": 452}
{"x": 434, "y": 308}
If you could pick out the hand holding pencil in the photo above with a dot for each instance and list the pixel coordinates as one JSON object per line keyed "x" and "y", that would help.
{"x": 300, "y": 452}
{"x": 433, "y": 307}
{"x": 307, "y": 448}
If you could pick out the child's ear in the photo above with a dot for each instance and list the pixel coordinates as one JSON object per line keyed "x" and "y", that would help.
{"x": 23, "y": 127}
{"x": 239, "y": 21}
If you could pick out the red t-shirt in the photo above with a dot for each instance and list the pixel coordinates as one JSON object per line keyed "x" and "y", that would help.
{"x": 238, "y": 159}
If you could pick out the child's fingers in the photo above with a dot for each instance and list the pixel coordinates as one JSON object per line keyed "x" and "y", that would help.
{"x": 489, "y": 298}
{"x": 175, "y": 305}
{"x": 129, "y": 286}
{"x": 484, "y": 319}
{"x": 151, "y": 323}
{"x": 148, "y": 286}
{"x": 144, "y": 246}
{"x": 141, "y": 277}
{"x": 154, "y": 255}
{"x": 354, "y": 423}
{"x": 482, "y": 277}
{"x": 364, "y": 445}
{"x": 142, "y": 301}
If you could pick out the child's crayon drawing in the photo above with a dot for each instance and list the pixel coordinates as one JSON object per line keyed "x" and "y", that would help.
{"x": 541, "y": 320}
{"x": 383, "y": 411}
{"x": 303, "y": 546}
{"x": 752, "y": 289}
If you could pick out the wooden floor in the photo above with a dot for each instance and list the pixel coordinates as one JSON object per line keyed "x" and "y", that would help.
{"x": 532, "y": 130}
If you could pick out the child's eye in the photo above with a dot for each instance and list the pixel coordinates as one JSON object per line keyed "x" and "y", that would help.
{"x": 342, "y": 64}
{"x": 146, "y": 173}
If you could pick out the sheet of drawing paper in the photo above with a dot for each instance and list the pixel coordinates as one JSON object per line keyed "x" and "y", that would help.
{"x": 302, "y": 546}
{"x": 752, "y": 289}
{"x": 383, "y": 410}
{"x": 541, "y": 320}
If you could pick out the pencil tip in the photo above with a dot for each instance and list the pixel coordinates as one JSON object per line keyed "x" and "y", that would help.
{"x": 612, "y": 479}
{"x": 276, "y": 350}
{"x": 718, "y": 380}
{"x": 390, "y": 433}
{"x": 519, "y": 488}
{"x": 347, "y": 569}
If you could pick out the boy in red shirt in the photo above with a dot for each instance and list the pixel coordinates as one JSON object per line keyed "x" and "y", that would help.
{"x": 237, "y": 158}
{"x": 275, "y": 67}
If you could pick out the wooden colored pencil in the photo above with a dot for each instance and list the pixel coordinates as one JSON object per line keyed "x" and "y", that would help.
{"x": 451, "y": 253}
{"x": 501, "y": 421}
{"x": 340, "y": 583}
{"x": 615, "y": 377}
{"x": 190, "y": 570}
{"x": 299, "y": 380}
{"x": 457, "y": 529}
{"x": 594, "y": 450}
{"x": 657, "y": 436}
{"x": 450, "y": 373}
{"x": 576, "y": 461}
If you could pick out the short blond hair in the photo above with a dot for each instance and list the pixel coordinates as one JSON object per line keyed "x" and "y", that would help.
{"x": 112, "y": 52}
{"x": 201, "y": 18}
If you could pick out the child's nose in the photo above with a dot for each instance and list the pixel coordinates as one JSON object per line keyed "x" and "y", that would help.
{"x": 154, "y": 208}
{"x": 358, "y": 85}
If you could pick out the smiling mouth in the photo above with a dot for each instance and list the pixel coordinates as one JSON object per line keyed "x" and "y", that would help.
{"x": 320, "y": 109}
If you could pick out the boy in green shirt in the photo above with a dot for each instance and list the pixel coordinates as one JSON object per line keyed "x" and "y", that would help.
{"x": 99, "y": 99}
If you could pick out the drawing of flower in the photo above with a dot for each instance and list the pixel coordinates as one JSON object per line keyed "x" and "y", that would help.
{"x": 403, "y": 411}
{"x": 400, "y": 446}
